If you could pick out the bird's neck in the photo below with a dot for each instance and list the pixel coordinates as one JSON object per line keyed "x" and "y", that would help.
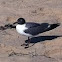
{"x": 20, "y": 26}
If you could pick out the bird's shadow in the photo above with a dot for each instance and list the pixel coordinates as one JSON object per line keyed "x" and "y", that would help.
{"x": 41, "y": 39}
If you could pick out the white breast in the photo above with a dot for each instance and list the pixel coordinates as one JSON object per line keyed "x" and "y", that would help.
{"x": 20, "y": 29}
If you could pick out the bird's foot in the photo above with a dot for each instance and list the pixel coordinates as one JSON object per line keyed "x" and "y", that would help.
{"x": 26, "y": 47}
{"x": 25, "y": 44}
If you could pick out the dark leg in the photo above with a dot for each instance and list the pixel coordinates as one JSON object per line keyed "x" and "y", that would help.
{"x": 27, "y": 45}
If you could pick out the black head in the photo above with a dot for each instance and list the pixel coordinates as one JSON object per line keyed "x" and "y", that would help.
{"x": 21, "y": 21}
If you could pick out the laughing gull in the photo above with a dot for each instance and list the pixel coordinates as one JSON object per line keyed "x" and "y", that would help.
{"x": 31, "y": 29}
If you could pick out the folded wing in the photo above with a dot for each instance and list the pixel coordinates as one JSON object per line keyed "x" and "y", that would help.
{"x": 34, "y": 30}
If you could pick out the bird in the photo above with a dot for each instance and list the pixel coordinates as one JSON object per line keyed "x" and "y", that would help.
{"x": 31, "y": 29}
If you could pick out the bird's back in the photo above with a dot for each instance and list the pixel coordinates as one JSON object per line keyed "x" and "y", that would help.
{"x": 31, "y": 24}
{"x": 37, "y": 28}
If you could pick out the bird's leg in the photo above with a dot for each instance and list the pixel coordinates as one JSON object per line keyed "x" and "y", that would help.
{"x": 27, "y": 45}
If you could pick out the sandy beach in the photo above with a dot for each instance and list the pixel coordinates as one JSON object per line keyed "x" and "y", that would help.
{"x": 48, "y": 49}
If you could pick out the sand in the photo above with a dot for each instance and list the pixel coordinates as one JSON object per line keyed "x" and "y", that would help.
{"x": 41, "y": 11}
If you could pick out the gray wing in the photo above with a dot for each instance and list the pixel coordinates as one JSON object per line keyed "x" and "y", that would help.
{"x": 37, "y": 29}
{"x": 31, "y": 25}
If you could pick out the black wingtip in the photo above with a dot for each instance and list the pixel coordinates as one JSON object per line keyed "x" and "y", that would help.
{"x": 53, "y": 26}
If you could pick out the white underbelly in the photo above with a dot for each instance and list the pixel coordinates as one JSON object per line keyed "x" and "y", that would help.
{"x": 20, "y": 29}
